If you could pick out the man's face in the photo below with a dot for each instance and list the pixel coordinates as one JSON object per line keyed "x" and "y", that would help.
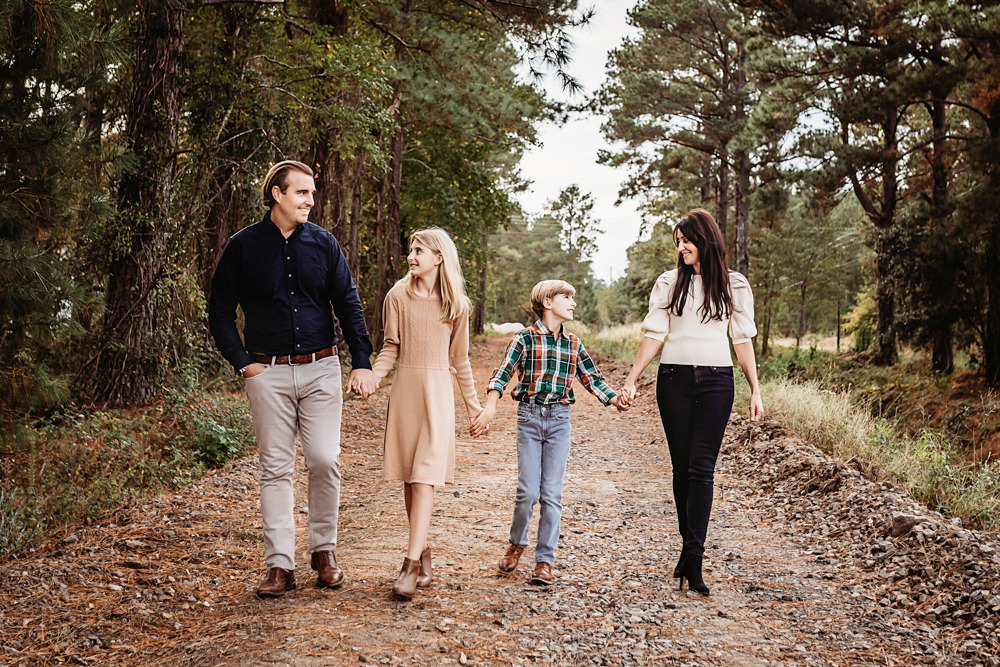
{"x": 296, "y": 201}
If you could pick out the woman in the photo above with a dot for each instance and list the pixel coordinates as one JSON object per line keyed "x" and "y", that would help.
{"x": 427, "y": 331}
{"x": 692, "y": 308}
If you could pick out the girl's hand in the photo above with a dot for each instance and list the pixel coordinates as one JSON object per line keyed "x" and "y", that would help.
{"x": 756, "y": 407}
{"x": 481, "y": 424}
{"x": 621, "y": 402}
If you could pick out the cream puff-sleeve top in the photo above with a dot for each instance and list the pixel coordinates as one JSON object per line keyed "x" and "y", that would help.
{"x": 688, "y": 340}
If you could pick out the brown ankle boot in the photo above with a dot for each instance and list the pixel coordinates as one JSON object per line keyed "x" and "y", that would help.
{"x": 406, "y": 585}
{"x": 424, "y": 579}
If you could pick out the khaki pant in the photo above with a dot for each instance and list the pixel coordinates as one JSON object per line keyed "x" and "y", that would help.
{"x": 308, "y": 397}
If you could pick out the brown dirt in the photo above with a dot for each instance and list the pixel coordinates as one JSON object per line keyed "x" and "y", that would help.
{"x": 170, "y": 581}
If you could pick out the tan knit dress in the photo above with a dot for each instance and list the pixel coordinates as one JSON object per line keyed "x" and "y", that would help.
{"x": 420, "y": 429}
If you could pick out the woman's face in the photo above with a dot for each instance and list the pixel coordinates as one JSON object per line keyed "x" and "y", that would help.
{"x": 688, "y": 250}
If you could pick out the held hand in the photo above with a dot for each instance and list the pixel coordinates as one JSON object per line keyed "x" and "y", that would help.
{"x": 481, "y": 425}
{"x": 620, "y": 402}
{"x": 362, "y": 382}
{"x": 252, "y": 370}
{"x": 756, "y": 407}
{"x": 628, "y": 392}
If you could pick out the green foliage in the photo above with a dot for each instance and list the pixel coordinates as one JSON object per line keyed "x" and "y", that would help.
{"x": 80, "y": 465}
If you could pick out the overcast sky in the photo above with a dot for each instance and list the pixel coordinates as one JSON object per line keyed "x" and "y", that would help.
{"x": 568, "y": 153}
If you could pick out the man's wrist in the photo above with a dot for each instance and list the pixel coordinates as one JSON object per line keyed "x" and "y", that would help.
{"x": 242, "y": 372}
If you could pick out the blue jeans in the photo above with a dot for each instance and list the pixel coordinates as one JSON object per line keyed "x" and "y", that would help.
{"x": 542, "y": 451}
{"x": 694, "y": 403}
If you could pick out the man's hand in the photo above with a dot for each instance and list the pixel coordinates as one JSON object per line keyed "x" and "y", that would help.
{"x": 253, "y": 369}
{"x": 481, "y": 425}
{"x": 362, "y": 382}
{"x": 620, "y": 402}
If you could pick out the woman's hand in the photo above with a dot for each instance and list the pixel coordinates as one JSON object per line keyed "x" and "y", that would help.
{"x": 748, "y": 362}
{"x": 756, "y": 406}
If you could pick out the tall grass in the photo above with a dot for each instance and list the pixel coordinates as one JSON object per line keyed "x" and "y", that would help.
{"x": 928, "y": 463}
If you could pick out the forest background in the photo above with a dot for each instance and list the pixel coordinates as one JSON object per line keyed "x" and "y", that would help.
{"x": 849, "y": 152}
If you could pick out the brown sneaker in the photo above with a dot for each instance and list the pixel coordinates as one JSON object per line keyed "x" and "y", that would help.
{"x": 329, "y": 573}
{"x": 543, "y": 574}
{"x": 277, "y": 582}
{"x": 509, "y": 561}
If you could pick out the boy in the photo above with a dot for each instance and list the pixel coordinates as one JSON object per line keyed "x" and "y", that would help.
{"x": 547, "y": 358}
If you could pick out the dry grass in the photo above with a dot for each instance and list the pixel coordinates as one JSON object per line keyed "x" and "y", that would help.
{"x": 927, "y": 465}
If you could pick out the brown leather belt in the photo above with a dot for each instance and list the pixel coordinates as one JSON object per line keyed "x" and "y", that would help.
{"x": 293, "y": 359}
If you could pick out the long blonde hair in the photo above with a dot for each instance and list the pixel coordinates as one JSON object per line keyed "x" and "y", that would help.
{"x": 451, "y": 281}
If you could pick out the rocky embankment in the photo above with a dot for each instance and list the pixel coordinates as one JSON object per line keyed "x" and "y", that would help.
{"x": 929, "y": 568}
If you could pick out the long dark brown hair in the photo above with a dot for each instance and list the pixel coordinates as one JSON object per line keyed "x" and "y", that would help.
{"x": 699, "y": 227}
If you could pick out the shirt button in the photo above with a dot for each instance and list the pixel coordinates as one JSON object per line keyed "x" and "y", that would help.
{"x": 293, "y": 292}
{"x": 289, "y": 275}
{"x": 288, "y": 258}
{"x": 296, "y": 328}
{"x": 295, "y": 310}
{"x": 298, "y": 346}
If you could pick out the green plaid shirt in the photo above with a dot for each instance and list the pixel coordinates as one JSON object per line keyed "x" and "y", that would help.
{"x": 546, "y": 364}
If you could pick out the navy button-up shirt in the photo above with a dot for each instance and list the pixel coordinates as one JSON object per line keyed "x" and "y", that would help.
{"x": 289, "y": 290}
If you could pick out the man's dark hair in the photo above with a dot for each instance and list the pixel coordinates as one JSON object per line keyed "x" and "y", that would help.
{"x": 278, "y": 175}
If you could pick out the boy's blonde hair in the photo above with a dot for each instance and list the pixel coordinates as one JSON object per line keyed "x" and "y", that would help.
{"x": 548, "y": 289}
{"x": 454, "y": 302}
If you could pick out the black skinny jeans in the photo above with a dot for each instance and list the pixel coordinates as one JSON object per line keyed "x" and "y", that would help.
{"x": 694, "y": 403}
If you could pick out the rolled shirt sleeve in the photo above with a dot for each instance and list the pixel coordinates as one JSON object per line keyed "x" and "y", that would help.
{"x": 741, "y": 325}
{"x": 657, "y": 322}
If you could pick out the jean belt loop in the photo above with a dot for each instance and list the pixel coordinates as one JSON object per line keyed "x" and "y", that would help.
{"x": 272, "y": 359}
{"x": 314, "y": 357}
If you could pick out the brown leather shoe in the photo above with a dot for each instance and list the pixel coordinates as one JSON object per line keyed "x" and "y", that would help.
{"x": 330, "y": 574}
{"x": 277, "y": 582}
{"x": 424, "y": 579}
{"x": 542, "y": 574}
{"x": 509, "y": 561}
{"x": 406, "y": 585}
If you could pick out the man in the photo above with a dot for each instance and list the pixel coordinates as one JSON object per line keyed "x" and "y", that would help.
{"x": 287, "y": 274}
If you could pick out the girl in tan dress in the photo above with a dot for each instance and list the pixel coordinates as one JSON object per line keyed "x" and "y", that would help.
{"x": 426, "y": 318}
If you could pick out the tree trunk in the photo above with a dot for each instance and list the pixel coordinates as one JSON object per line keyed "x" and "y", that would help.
{"x": 126, "y": 368}
{"x": 479, "y": 316}
{"x": 706, "y": 181}
{"x": 378, "y": 324}
{"x": 388, "y": 264}
{"x": 803, "y": 325}
{"x": 991, "y": 339}
{"x": 942, "y": 356}
{"x": 742, "y": 171}
{"x": 330, "y": 208}
{"x": 883, "y": 219}
{"x": 722, "y": 209}
{"x": 743, "y": 213}
{"x": 216, "y": 229}
{"x": 357, "y": 178}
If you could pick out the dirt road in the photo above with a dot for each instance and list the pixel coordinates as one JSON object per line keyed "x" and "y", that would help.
{"x": 170, "y": 582}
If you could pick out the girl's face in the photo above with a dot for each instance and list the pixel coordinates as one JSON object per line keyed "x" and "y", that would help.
{"x": 423, "y": 261}
{"x": 688, "y": 250}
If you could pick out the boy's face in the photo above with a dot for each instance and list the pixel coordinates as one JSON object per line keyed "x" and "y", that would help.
{"x": 561, "y": 307}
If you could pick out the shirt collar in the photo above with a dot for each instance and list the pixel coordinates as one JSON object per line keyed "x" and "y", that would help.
{"x": 545, "y": 330}
{"x": 273, "y": 228}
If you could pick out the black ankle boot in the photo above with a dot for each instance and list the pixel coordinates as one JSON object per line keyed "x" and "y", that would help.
{"x": 691, "y": 570}
{"x": 680, "y": 566}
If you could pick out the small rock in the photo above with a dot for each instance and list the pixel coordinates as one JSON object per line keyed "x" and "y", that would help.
{"x": 904, "y": 523}
{"x": 71, "y": 539}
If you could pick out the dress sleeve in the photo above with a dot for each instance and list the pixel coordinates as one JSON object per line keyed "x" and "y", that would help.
{"x": 657, "y": 322}
{"x": 390, "y": 345}
{"x": 458, "y": 356}
{"x": 741, "y": 324}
